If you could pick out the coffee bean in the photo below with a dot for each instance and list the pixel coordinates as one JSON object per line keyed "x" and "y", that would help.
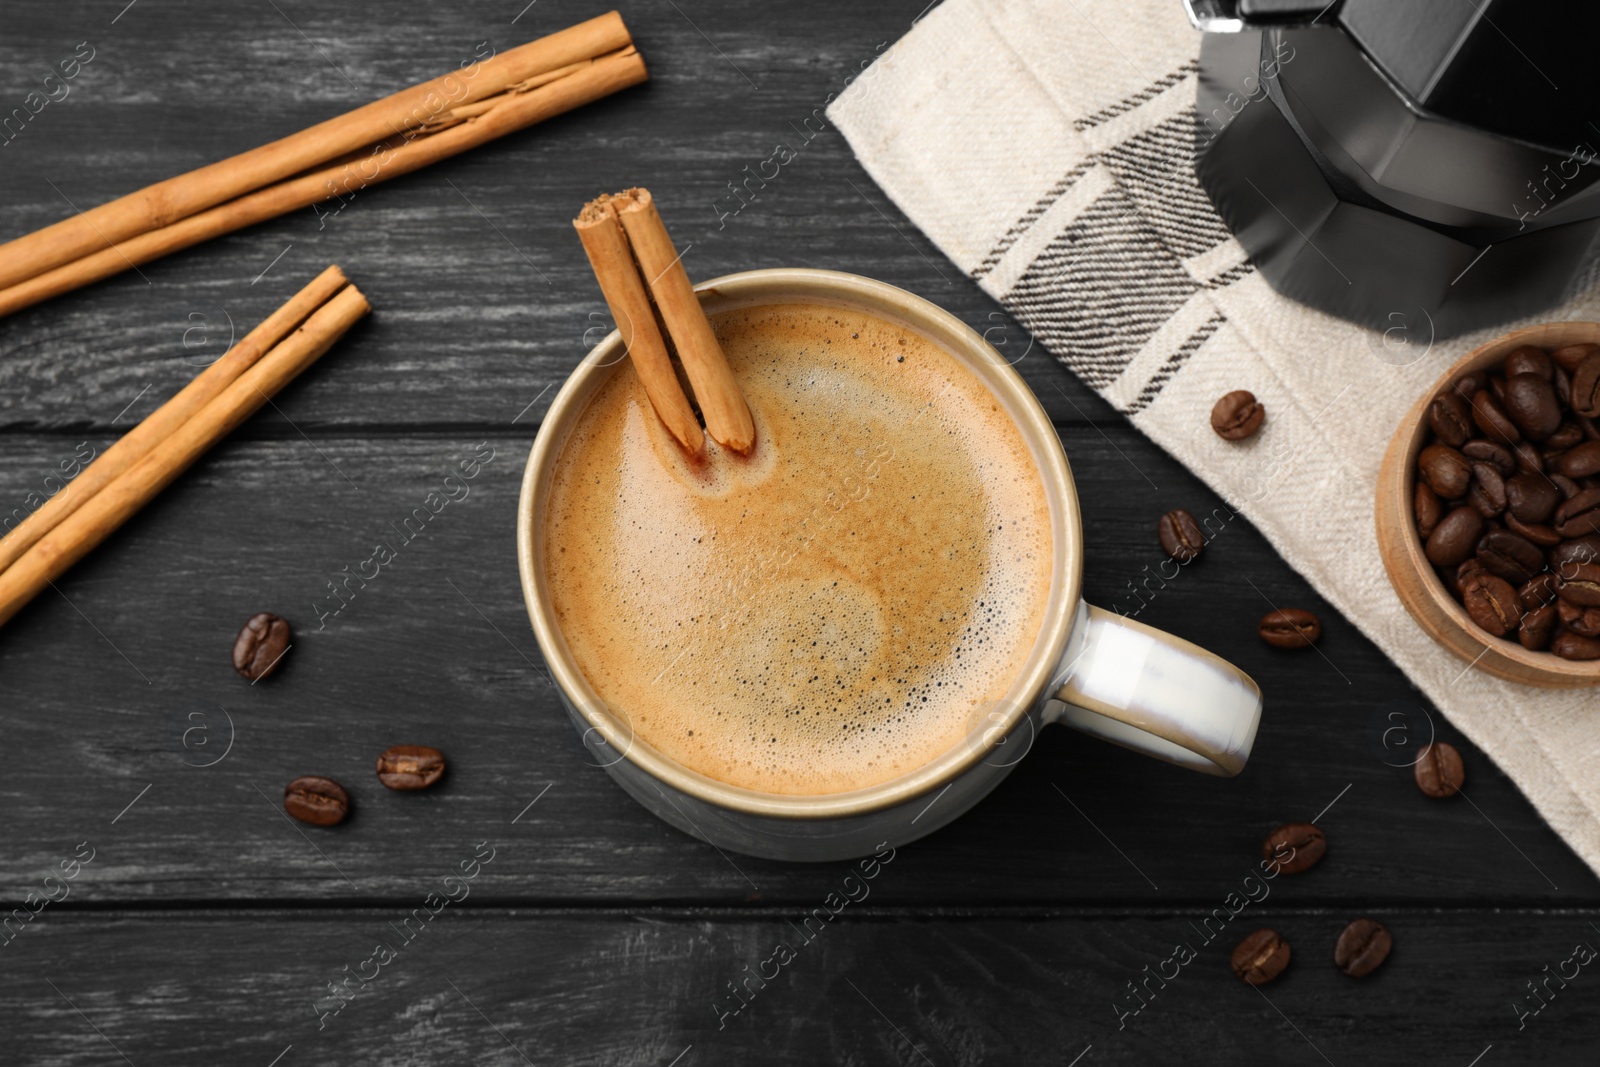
{"x": 1362, "y": 948}
{"x": 407, "y": 767}
{"x": 1584, "y": 624}
{"x": 1538, "y": 627}
{"x": 1532, "y": 497}
{"x": 1527, "y": 360}
{"x": 1492, "y": 603}
{"x": 1509, "y": 556}
{"x": 1260, "y": 957}
{"x": 1504, "y": 460}
{"x": 260, "y": 646}
{"x": 1466, "y": 570}
{"x": 1538, "y": 592}
{"x": 1467, "y": 386}
{"x": 1294, "y": 847}
{"x": 1454, "y": 539}
{"x": 1579, "y": 516}
{"x": 318, "y": 801}
{"x": 1528, "y": 458}
{"x": 1568, "y": 435}
{"x": 1586, "y": 386}
{"x": 1180, "y": 536}
{"x": 1580, "y": 584}
{"x": 1573, "y": 646}
{"x": 1580, "y": 461}
{"x": 1571, "y": 356}
{"x": 1567, "y": 555}
{"x": 1489, "y": 487}
{"x": 1568, "y": 487}
{"x": 1446, "y": 471}
{"x": 1289, "y": 628}
{"x": 1439, "y": 772}
{"x": 1491, "y": 417}
{"x": 1426, "y": 506}
{"x": 1237, "y": 415}
{"x": 1531, "y": 403}
{"x": 1533, "y": 532}
{"x": 1450, "y": 418}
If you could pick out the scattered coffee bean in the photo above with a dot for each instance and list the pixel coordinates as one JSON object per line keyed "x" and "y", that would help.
{"x": 407, "y": 767}
{"x": 318, "y": 801}
{"x": 1289, "y": 628}
{"x": 260, "y": 646}
{"x": 1180, "y": 536}
{"x": 1260, "y": 957}
{"x": 1362, "y": 948}
{"x": 1294, "y": 847}
{"x": 1439, "y": 772}
{"x": 1237, "y": 415}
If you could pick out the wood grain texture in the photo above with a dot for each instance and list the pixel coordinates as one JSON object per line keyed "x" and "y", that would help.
{"x": 867, "y": 988}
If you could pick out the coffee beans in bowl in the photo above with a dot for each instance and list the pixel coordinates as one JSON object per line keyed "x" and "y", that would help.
{"x": 1489, "y": 507}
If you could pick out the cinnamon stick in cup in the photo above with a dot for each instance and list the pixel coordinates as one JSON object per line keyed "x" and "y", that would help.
{"x": 721, "y": 402}
{"x": 137, "y": 442}
{"x": 98, "y": 516}
{"x": 607, "y": 246}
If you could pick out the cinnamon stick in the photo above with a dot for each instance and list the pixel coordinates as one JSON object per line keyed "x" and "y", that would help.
{"x": 607, "y": 247}
{"x": 166, "y": 202}
{"x": 159, "y": 424}
{"x": 98, "y": 516}
{"x": 588, "y": 81}
{"x": 722, "y": 404}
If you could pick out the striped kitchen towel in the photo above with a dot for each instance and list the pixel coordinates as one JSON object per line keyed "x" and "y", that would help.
{"x": 1047, "y": 149}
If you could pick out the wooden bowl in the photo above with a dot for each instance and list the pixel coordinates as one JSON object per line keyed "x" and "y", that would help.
{"x": 1413, "y": 577}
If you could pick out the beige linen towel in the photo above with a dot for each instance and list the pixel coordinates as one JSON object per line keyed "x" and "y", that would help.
{"x": 1047, "y": 149}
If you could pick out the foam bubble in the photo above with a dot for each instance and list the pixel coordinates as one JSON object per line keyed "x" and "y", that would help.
{"x": 827, "y": 613}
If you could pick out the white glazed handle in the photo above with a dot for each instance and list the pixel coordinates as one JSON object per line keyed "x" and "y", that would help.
{"x": 1143, "y": 689}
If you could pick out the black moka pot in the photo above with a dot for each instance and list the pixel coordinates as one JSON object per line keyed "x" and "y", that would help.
{"x": 1425, "y": 163}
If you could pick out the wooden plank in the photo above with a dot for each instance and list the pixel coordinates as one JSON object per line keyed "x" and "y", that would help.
{"x": 483, "y": 298}
{"x": 489, "y": 987}
{"x": 116, "y": 686}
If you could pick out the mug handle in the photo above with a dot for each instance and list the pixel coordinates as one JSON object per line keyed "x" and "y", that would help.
{"x": 1144, "y": 689}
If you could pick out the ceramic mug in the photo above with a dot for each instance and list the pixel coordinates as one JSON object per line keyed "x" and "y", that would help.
{"x": 1090, "y": 669}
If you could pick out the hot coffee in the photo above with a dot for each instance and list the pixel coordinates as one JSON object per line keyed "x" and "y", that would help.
{"x": 837, "y": 608}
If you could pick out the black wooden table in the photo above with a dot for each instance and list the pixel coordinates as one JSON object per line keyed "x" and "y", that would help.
{"x": 207, "y": 928}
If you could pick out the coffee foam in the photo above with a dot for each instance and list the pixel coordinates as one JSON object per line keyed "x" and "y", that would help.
{"x": 834, "y": 610}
